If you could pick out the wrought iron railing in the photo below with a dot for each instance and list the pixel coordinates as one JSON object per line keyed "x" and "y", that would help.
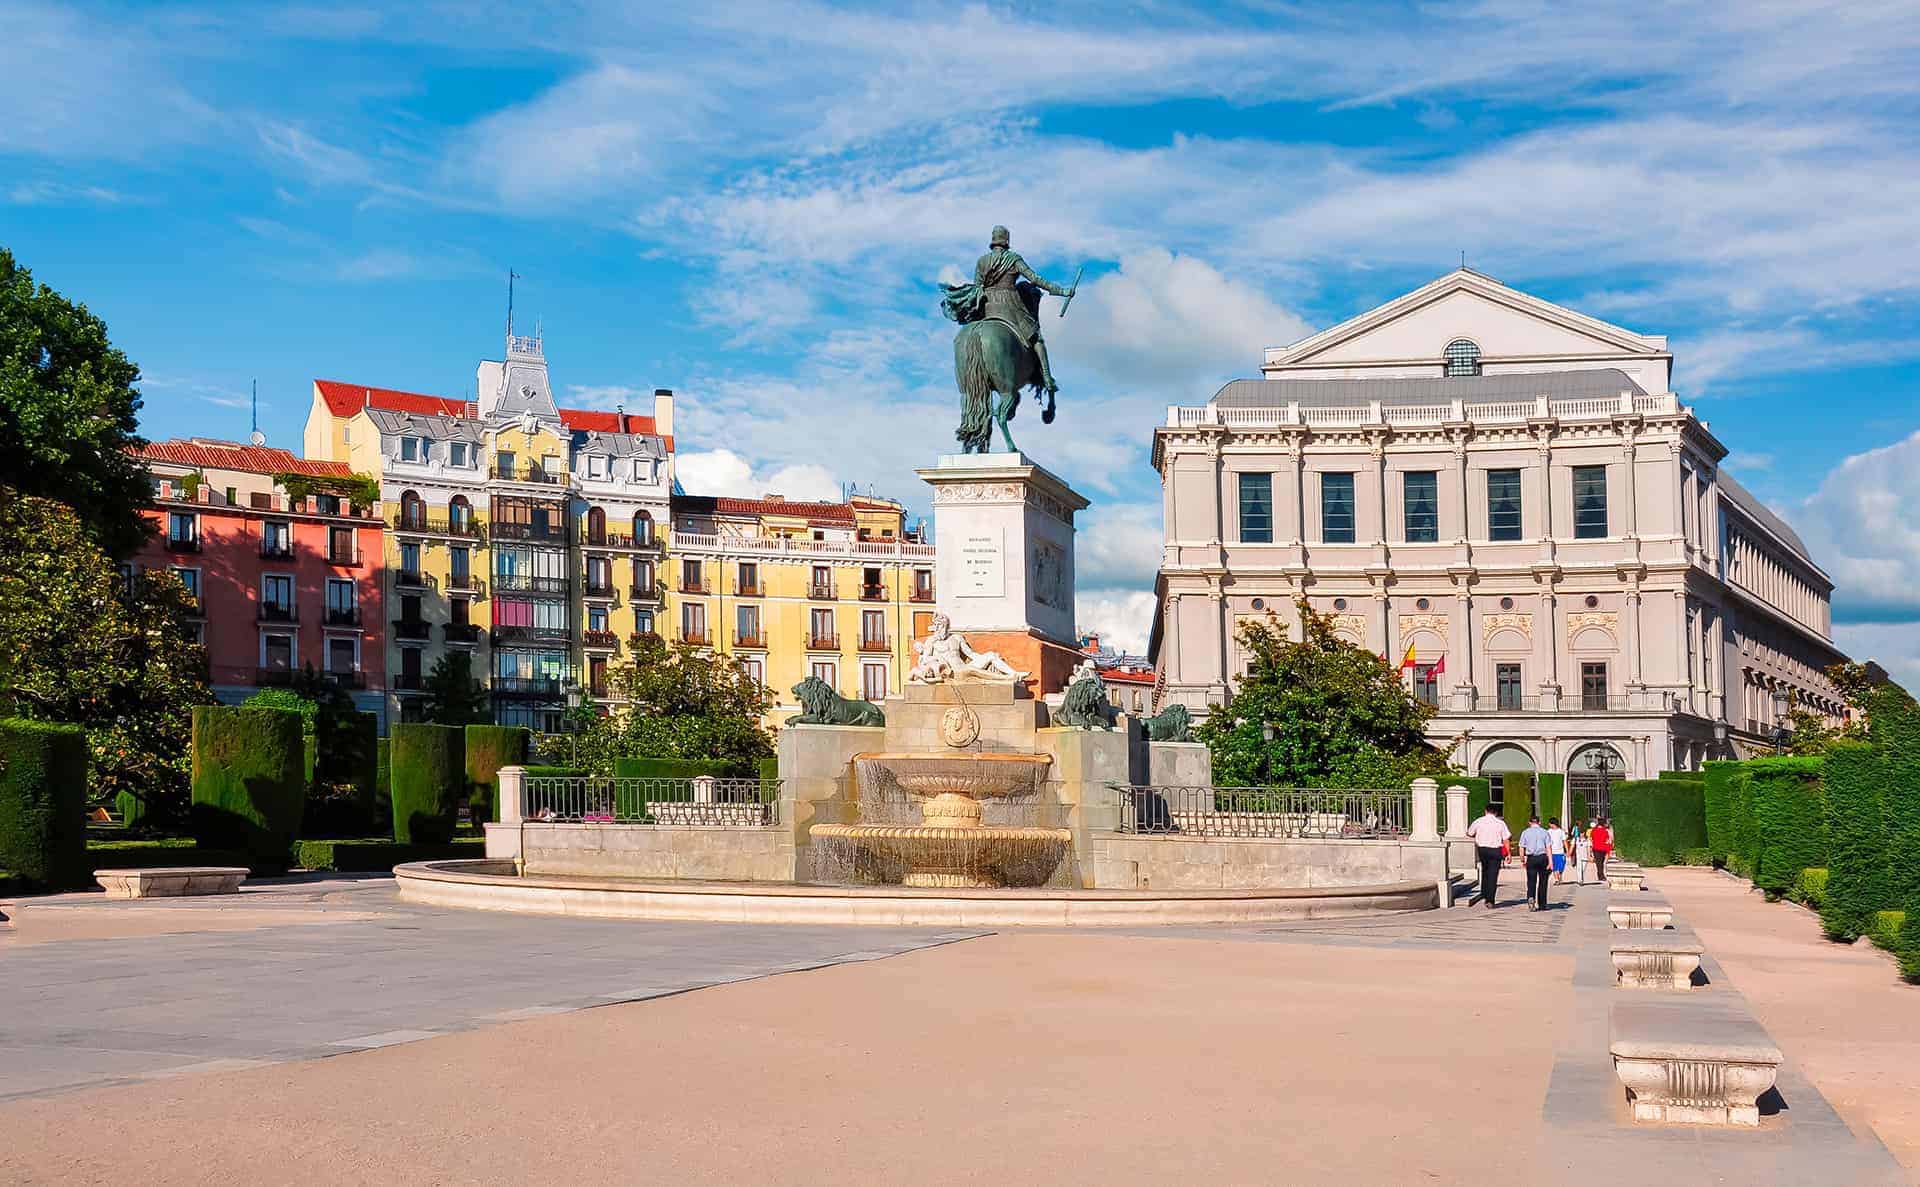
{"x": 527, "y": 583}
{"x": 707, "y": 801}
{"x": 1305, "y": 813}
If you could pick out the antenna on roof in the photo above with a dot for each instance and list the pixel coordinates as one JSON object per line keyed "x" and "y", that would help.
{"x": 256, "y": 436}
{"x": 511, "y": 277}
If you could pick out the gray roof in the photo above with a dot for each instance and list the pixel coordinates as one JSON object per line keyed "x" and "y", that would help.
{"x": 1474, "y": 389}
{"x": 430, "y": 425}
{"x": 1757, "y": 511}
{"x": 619, "y": 444}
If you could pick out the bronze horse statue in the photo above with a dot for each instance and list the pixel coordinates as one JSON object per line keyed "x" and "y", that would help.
{"x": 989, "y": 361}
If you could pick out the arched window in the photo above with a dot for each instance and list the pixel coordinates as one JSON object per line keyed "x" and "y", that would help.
{"x": 413, "y": 511}
{"x": 643, "y": 529}
{"x": 1462, "y": 358}
{"x": 460, "y": 514}
{"x": 1500, "y": 761}
{"x": 596, "y": 526}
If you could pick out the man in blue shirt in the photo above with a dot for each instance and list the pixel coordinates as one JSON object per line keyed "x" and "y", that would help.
{"x": 1535, "y": 842}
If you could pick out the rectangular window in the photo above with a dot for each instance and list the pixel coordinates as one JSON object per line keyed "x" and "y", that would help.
{"x": 189, "y": 578}
{"x": 693, "y": 623}
{"x": 1426, "y": 685}
{"x": 1503, "y": 504}
{"x": 746, "y": 625}
{"x": 825, "y": 670}
{"x": 410, "y": 560}
{"x": 457, "y": 453}
{"x": 923, "y": 585}
{"x": 870, "y": 587}
{"x": 340, "y": 545}
{"x": 596, "y": 618}
{"x": 643, "y": 622}
{"x": 503, "y": 462}
{"x": 822, "y": 581}
{"x": 460, "y": 564}
{"x": 276, "y": 538}
{"x": 276, "y": 652}
{"x": 1421, "y": 489}
{"x": 409, "y": 449}
{"x": 426, "y": 450}
{"x": 181, "y": 529}
{"x": 1589, "y": 502}
{"x": 820, "y": 624}
{"x": 753, "y": 668}
{"x": 599, "y": 575}
{"x": 597, "y": 675}
{"x": 1507, "y": 681}
{"x": 873, "y": 629}
{"x": 690, "y": 576}
{"x": 342, "y": 654}
{"x": 410, "y": 608}
{"x": 458, "y": 608}
{"x": 1256, "y": 508}
{"x": 511, "y": 612}
{"x": 276, "y": 595}
{"x": 551, "y": 617}
{"x": 873, "y": 682}
{"x": 1336, "y": 508}
{"x": 410, "y": 663}
{"x": 1593, "y": 686}
{"x": 749, "y": 580}
{"x": 327, "y": 504}
{"x": 342, "y": 604}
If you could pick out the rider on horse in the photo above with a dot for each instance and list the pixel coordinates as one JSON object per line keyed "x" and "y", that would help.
{"x": 997, "y": 278}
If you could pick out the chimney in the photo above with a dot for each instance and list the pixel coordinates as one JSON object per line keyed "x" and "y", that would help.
{"x": 663, "y": 411}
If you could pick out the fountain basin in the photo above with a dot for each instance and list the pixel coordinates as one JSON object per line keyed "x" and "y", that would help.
{"x": 950, "y": 855}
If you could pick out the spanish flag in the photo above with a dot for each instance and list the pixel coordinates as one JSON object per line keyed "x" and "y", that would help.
{"x": 1407, "y": 660}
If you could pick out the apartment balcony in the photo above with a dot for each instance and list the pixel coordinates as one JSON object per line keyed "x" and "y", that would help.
{"x": 745, "y": 589}
{"x": 465, "y": 527}
{"x": 521, "y": 583}
{"x": 530, "y": 688}
{"x": 696, "y": 638}
{"x": 508, "y": 635}
{"x": 183, "y": 544}
{"x": 412, "y": 628}
{"x": 694, "y": 587}
{"x": 639, "y": 638}
{"x": 275, "y": 612}
{"x": 656, "y": 592}
{"x": 1570, "y": 703}
{"x": 276, "y": 552}
{"x": 623, "y": 541}
{"x": 537, "y": 533}
{"x": 405, "y": 682}
{"x": 782, "y": 548}
{"x": 460, "y": 632}
{"x": 411, "y": 579}
{"x": 873, "y": 593}
{"x": 875, "y": 645}
{"x": 820, "y": 593}
{"x": 344, "y": 560}
{"x": 347, "y": 679}
{"x": 921, "y": 595}
{"x": 757, "y": 640}
{"x": 602, "y": 589}
{"x": 466, "y": 583}
{"x": 823, "y": 643}
{"x": 606, "y": 640}
{"x": 529, "y": 473}
{"x": 274, "y": 677}
{"x": 343, "y": 616}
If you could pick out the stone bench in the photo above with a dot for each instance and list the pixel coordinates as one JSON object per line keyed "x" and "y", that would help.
{"x": 1698, "y": 1060}
{"x": 1655, "y": 959}
{"x": 1644, "y": 911}
{"x": 1625, "y": 877}
{"x": 170, "y": 882}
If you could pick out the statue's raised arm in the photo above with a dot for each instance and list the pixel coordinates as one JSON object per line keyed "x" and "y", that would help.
{"x": 999, "y": 348}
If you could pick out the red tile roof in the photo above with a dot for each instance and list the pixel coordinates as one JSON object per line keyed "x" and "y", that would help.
{"x": 834, "y": 514}
{"x": 231, "y": 455}
{"x": 345, "y": 399}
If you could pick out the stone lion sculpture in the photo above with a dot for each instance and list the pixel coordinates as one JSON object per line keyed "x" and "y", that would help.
{"x": 1171, "y": 724}
{"x": 1085, "y": 704}
{"x": 820, "y": 705}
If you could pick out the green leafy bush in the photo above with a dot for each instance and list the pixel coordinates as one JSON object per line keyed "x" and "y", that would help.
{"x": 429, "y": 776}
{"x": 1858, "y": 883}
{"x": 1810, "y": 887}
{"x": 1718, "y": 781}
{"x": 553, "y": 772}
{"x": 1684, "y": 776}
{"x": 1894, "y": 727}
{"x": 342, "y": 797}
{"x": 1906, "y": 944}
{"x": 1789, "y": 819}
{"x": 249, "y": 780}
{"x": 630, "y": 799}
{"x": 1697, "y": 857}
{"x": 1656, "y": 820}
{"x": 43, "y": 804}
{"x": 1516, "y": 791}
{"x": 1553, "y": 797}
{"x": 376, "y": 854}
{"x": 382, "y": 817}
{"x": 1740, "y": 813}
{"x": 1884, "y": 929}
{"x": 490, "y": 747}
{"x": 1479, "y": 791}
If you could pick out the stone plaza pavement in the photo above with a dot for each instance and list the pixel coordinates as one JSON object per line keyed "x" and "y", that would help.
{"x": 1386, "y": 1050}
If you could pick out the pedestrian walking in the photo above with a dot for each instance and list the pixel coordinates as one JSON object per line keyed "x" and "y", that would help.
{"x": 1559, "y": 848}
{"x": 1489, "y": 835}
{"x": 1582, "y": 855}
{"x": 1601, "y": 838}
{"x": 1534, "y": 845}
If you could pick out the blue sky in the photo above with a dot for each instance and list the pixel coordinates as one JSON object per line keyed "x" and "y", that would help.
{"x": 751, "y": 203}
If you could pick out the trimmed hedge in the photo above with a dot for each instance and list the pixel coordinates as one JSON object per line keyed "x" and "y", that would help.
{"x": 1906, "y": 944}
{"x": 1884, "y": 929}
{"x": 159, "y": 852}
{"x": 347, "y": 749}
{"x": 1697, "y": 857}
{"x": 1683, "y": 776}
{"x": 1515, "y": 803}
{"x": 1718, "y": 777}
{"x": 1553, "y": 797}
{"x": 1656, "y": 820}
{"x": 382, "y": 818}
{"x": 1810, "y": 887}
{"x": 490, "y": 747}
{"x": 1894, "y": 726}
{"x": 249, "y": 785}
{"x": 1858, "y": 883}
{"x": 1742, "y": 854}
{"x": 630, "y": 802}
{"x": 375, "y": 855}
{"x": 429, "y": 775}
{"x": 1479, "y": 791}
{"x": 43, "y": 804}
{"x": 553, "y": 772}
{"x": 768, "y": 768}
{"x": 1789, "y": 820}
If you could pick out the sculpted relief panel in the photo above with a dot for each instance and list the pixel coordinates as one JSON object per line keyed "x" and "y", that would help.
{"x": 1409, "y": 623}
{"x": 1507, "y": 622}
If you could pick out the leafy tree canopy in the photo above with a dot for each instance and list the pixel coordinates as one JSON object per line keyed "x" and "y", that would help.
{"x": 80, "y": 643}
{"x": 1858, "y": 685}
{"x": 69, "y": 410}
{"x": 1338, "y": 716}
{"x": 453, "y": 696}
{"x": 680, "y": 702}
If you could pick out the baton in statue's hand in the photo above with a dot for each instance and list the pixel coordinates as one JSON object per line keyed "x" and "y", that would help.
{"x": 1072, "y": 289}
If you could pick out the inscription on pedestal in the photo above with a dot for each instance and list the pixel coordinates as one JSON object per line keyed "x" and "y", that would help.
{"x": 983, "y": 568}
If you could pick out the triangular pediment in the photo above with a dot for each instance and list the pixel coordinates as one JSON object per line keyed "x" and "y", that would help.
{"x": 1504, "y": 322}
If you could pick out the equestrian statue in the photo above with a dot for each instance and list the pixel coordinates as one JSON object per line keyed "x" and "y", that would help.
{"x": 999, "y": 349}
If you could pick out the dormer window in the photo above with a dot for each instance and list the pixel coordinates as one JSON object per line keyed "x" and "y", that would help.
{"x": 1462, "y": 358}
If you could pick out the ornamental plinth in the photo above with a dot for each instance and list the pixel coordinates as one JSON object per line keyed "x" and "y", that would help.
{"x": 1003, "y": 548}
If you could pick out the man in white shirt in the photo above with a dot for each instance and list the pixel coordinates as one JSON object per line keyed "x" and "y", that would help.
{"x": 1489, "y": 835}
{"x": 1534, "y": 842}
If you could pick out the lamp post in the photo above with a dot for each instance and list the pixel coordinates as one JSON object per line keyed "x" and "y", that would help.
{"x": 1782, "y": 720}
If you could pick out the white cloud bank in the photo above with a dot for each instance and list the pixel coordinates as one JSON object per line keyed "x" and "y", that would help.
{"x": 1862, "y": 530}
{"x": 724, "y": 472}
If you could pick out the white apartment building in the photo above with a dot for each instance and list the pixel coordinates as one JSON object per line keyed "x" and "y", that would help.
{"x": 1510, "y": 490}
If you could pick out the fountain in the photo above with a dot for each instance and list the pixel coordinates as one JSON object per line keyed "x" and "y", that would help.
{"x": 952, "y": 845}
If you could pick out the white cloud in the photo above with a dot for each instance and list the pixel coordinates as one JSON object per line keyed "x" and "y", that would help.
{"x": 1122, "y": 618}
{"x": 1895, "y": 645}
{"x": 61, "y": 193}
{"x": 1861, "y": 527}
{"x": 724, "y": 472}
{"x": 1118, "y": 544}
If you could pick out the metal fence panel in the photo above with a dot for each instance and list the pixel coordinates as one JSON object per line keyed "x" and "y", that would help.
{"x": 1304, "y": 813}
{"x": 703, "y": 800}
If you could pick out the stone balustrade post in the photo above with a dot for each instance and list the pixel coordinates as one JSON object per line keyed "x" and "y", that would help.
{"x": 504, "y": 835}
{"x": 1425, "y": 811}
{"x": 1456, "y": 811}
{"x": 511, "y": 787}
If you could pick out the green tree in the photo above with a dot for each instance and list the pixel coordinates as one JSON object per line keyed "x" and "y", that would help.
{"x": 69, "y": 410}
{"x": 1320, "y": 712}
{"x": 453, "y": 696}
{"x": 1856, "y": 683}
{"x": 681, "y": 702}
{"x": 80, "y": 643}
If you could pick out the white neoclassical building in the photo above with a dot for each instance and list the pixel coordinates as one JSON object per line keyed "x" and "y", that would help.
{"x": 1510, "y": 492}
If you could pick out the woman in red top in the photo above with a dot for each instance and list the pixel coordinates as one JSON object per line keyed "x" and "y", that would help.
{"x": 1602, "y": 838}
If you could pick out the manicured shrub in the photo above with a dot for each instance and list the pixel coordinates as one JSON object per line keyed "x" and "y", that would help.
{"x": 1884, "y": 929}
{"x": 630, "y": 799}
{"x": 1810, "y": 887}
{"x": 1906, "y": 943}
{"x": 1516, "y": 802}
{"x": 377, "y": 855}
{"x": 1553, "y": 802}
{"x": 429, "y": 775}
{"x": 1717, "y": 780}
{"x": 382, "y": 816}
{"x": 1789, "y": 820}
{"x": 249, "y": 780}
{"x": 1894, "y": 727}
{"x": 348, "y": 767}
{"x": 490, "y": 747}
{"x": 1655, "y": 820}
{"x": 553, "y": 772}
{"x": 1740, "y": 815}
{"x": 1697, "y": 857}
{"x": 768, "y": 768}
{"x": 1684, "y": 776}
{"x": 1857, "y": 883}
{"x": 43, "y": 804}
{"x": 1479, "y": 792}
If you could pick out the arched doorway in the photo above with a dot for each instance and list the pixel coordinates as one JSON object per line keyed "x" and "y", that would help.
{"x": 460, "y": 515}
{"x": 1591, "y": 774}
{"x": 1506, "y": 759}
{"x": 596, "y": 525}
{"x": 413, "y": 511}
